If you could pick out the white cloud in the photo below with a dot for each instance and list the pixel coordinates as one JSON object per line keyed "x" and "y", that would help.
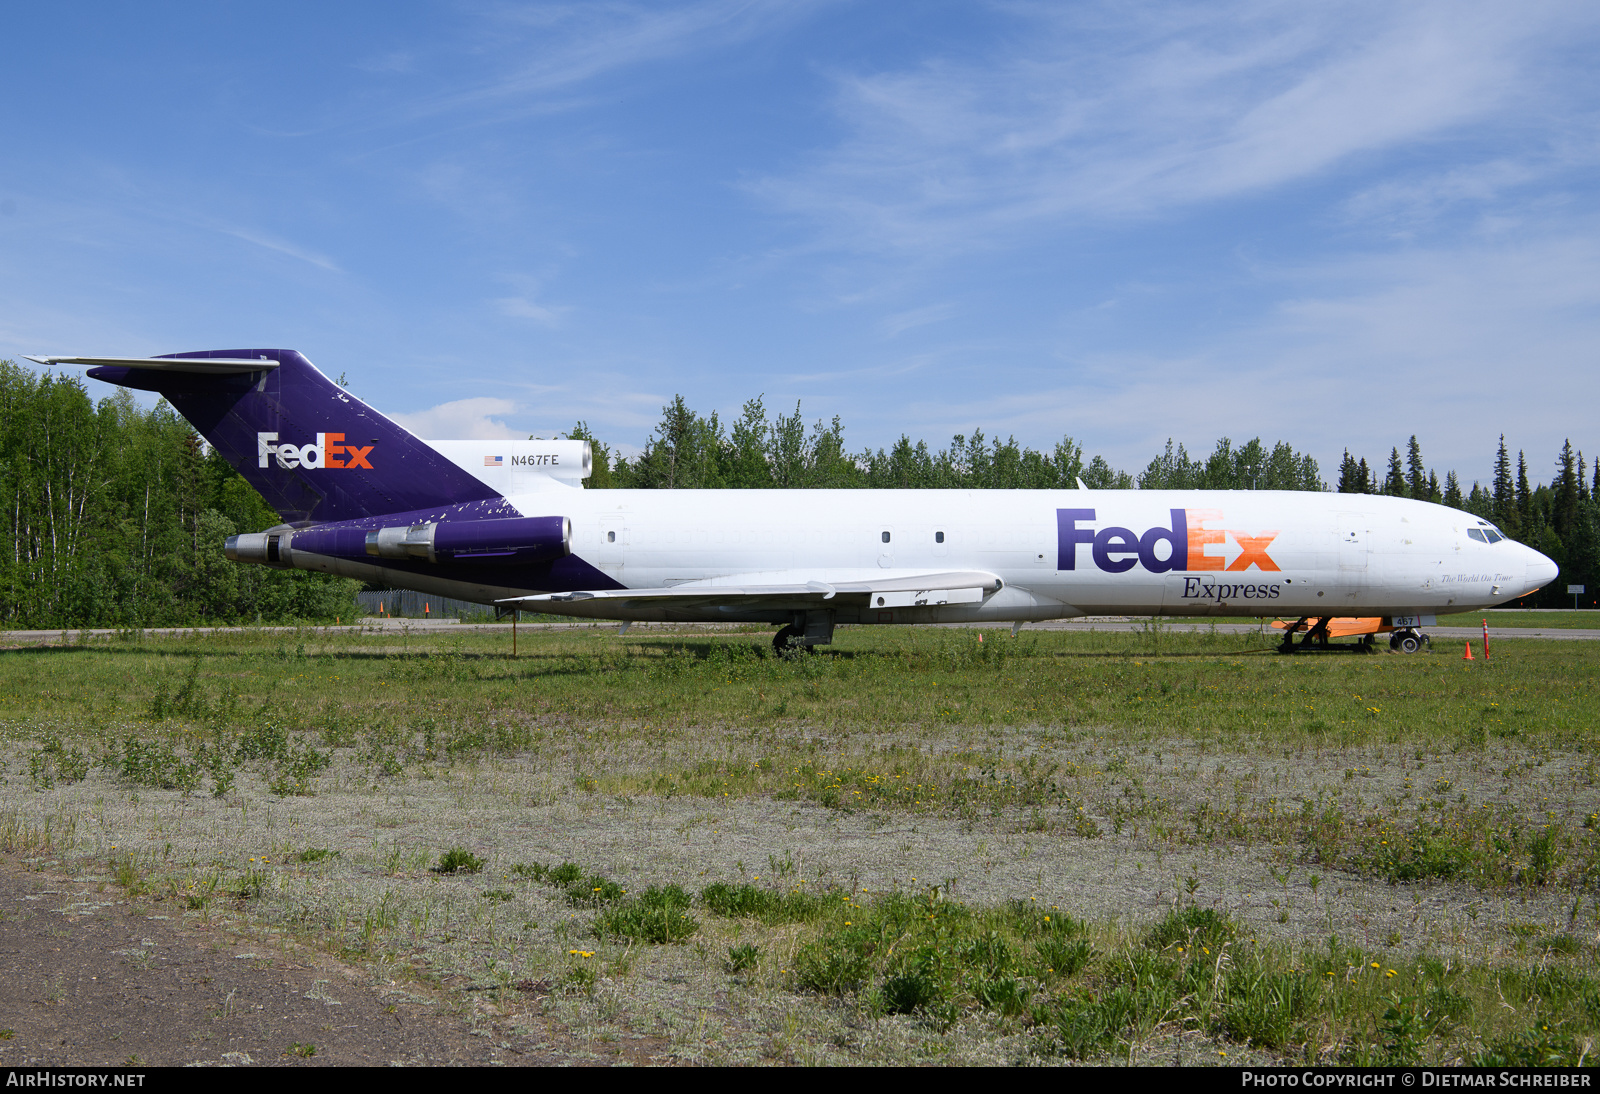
{"x": 479, "y": 418}
{"x": 1167, "y": 107}
{"x": 900, "y": 322}
{"x": 1405, "y": 205}
{"x": 555, "y": 48}
{"x": 269, "y": 243}
{"x": 1455, "y": 344}
{"x": 394, "y": 62}
{"x": 518, "y": 307}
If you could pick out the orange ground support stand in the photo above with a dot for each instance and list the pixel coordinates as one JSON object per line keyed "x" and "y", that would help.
{"x": 1342, "y": 626}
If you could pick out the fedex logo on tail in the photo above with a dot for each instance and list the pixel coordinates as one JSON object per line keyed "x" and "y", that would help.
{"x": 1188, "y": 544}
{"x": 329, "y": 451}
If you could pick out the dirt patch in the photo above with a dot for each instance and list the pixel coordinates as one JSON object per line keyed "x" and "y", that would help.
{"x": 89, "y": 977}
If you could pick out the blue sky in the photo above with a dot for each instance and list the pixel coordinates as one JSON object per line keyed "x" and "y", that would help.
{"x": 1338, "y": 224}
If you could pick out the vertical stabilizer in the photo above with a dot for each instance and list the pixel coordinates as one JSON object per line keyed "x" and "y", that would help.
{"x": 314, "y": 451}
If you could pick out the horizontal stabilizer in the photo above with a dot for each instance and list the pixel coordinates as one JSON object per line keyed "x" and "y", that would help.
{"x": 210, "y": 366}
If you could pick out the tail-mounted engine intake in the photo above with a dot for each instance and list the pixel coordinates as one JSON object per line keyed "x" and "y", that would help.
{"x": 512, "y": 541}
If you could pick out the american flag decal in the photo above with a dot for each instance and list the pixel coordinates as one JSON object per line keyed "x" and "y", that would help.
{"x": 493, "y": 461}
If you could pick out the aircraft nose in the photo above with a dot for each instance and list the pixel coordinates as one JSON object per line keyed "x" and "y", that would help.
{"x": 1541, "y": 571}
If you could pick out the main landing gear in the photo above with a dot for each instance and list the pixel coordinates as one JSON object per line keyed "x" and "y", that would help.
{"x": 809, "y": 630}
{"x": 790, "y": 641}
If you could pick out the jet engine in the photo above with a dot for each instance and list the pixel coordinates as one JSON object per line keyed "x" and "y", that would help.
{"x": 512, "y": 541}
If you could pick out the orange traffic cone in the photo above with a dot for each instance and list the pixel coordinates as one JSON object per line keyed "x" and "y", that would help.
{"x": 980, "y": 638}
{"x": 1469, "y": 656}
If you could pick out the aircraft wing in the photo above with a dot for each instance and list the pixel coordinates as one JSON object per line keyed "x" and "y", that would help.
{"x": 797, "y": 589}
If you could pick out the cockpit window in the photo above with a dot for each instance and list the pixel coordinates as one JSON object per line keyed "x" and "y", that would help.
{"x": 1477, "y": 534}
{"x": 1487, "y": 533}
{"x": 1494, "y": 537}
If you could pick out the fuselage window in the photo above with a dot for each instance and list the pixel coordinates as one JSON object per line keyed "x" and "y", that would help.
{"x": 938, "y": 537}
{"x": 611, "y": 537}
{"x": 1477, "y": 534}
{"x": 886, "y": 537}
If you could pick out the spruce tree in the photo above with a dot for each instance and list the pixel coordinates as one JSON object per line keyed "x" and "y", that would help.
{"x": 1416, "y": 474}
{"x": 1565, "y": 510}
{"x": 1395, "y": 484}
{"x": 1352, "y": 476}
{"x": 1452, "y": 490}
{"x": 1505, "y": 492}
{"x": 1524, "y": 497}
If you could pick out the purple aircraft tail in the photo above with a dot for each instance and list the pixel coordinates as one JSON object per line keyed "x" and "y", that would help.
{"x": 314, "y": 451}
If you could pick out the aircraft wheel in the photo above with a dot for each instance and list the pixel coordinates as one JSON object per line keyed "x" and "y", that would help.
{"x": 787, "y": 642}
{"x": 1408, "y": 643}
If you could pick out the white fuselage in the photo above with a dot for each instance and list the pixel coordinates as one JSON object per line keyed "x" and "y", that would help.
{"x": 1240, "y": 553}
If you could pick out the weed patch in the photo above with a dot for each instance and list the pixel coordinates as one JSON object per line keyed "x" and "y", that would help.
{"x": 53, "y": 762}
{"x": 657, "y": 915}
{"x": 458, "y": 860}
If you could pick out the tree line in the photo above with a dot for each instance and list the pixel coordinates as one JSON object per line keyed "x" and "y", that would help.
{"x": 114, "y": 516}
{"x": 692, "y": 451}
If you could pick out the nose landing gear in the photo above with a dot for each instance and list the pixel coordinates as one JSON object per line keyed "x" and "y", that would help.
{"x": 1409, "y": 641}
{"x": 1316, "y": 635}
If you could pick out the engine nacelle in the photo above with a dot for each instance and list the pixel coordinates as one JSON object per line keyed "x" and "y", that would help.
{"x": 511, "y": 541}
{"x": 263, "y": 548}
{"x": 506, "y": 542}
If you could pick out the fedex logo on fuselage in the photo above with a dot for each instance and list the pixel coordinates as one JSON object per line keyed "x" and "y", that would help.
{"x": 329, "y": 451}
{"x": 1118, "y": 550}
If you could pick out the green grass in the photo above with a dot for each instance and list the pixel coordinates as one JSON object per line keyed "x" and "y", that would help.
{"x": 1388, "y": 774}
{"x": 1085, "y": 990}
{"x": 426, "y": 701}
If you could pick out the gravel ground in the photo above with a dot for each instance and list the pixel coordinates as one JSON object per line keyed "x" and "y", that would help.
{"x": 373, "y": 901}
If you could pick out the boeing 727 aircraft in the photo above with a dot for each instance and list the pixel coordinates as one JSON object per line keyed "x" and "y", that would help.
{"x": 509, "y": 523}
